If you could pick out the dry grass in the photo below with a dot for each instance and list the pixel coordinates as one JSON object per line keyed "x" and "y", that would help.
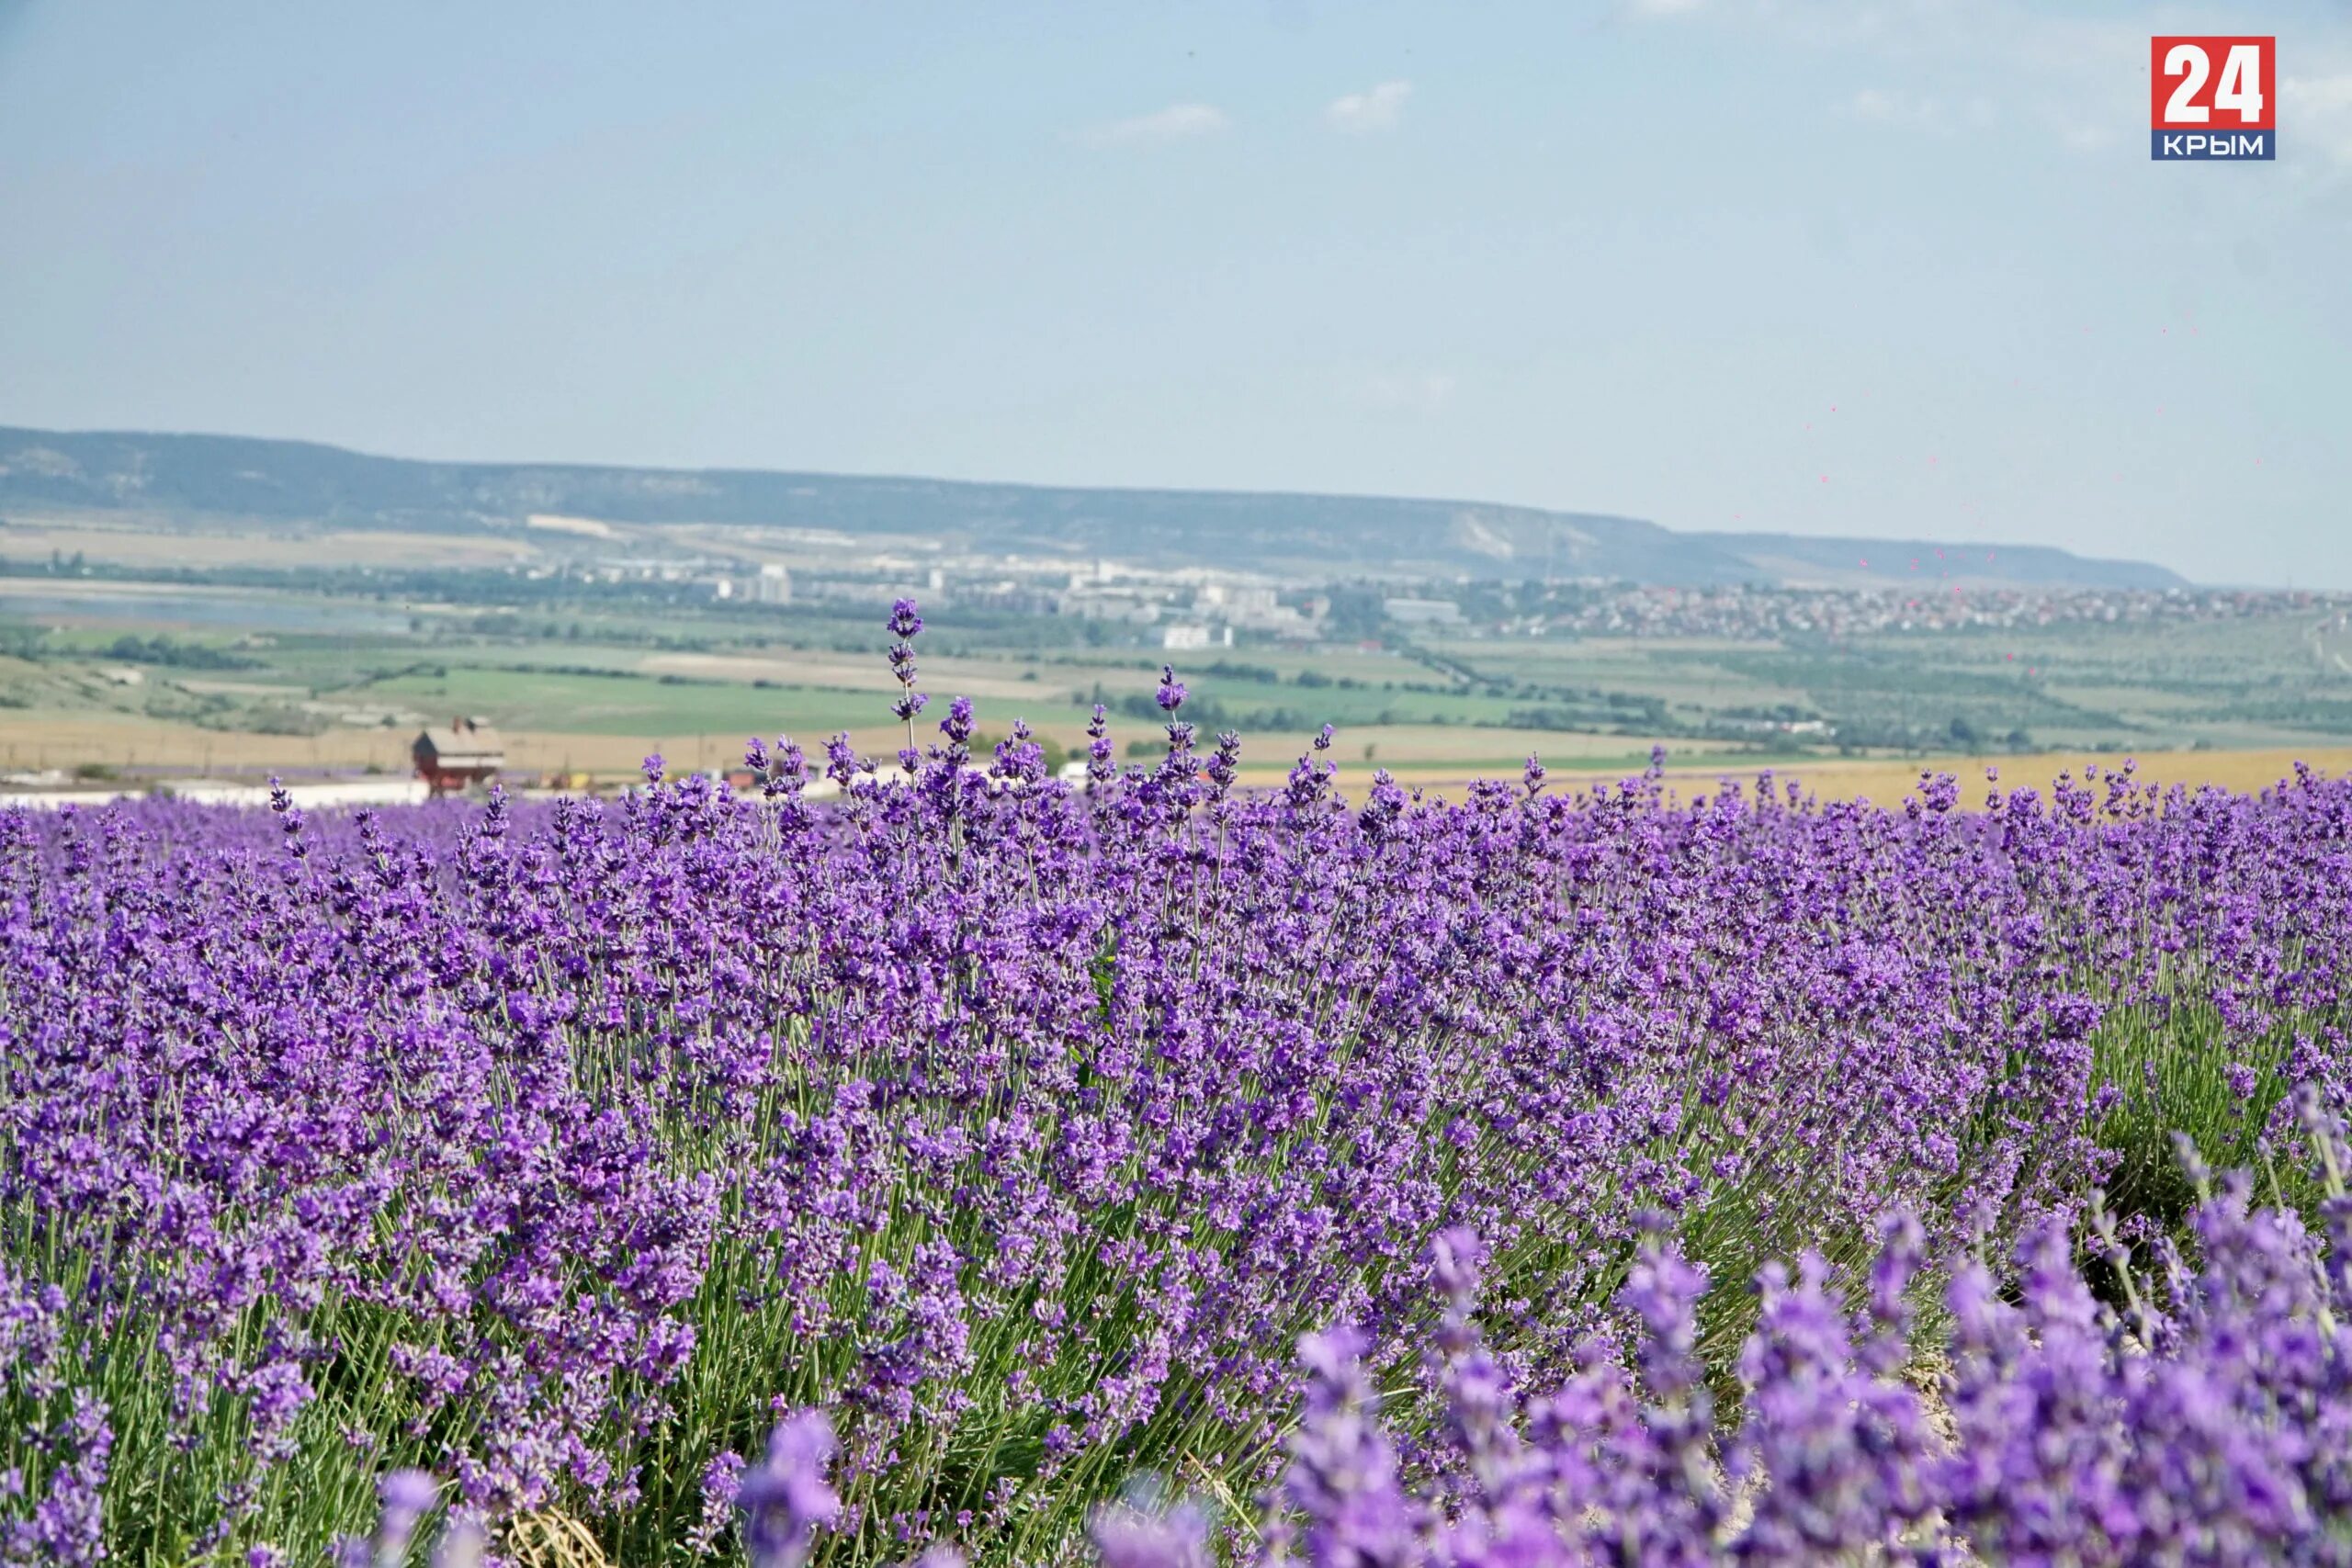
{"x": 549, "y": 1539}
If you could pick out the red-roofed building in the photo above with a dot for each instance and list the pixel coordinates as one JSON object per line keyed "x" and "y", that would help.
{"x": 467, "y": 753}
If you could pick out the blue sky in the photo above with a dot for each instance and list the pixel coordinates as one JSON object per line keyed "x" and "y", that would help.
{"x": 1676, "y": 258}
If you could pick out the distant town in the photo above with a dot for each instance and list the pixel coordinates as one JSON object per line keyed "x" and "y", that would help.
{"x": 1196, "y": 608}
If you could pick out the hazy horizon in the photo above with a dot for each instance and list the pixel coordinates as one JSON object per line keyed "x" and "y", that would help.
{"x": 1894, "y": 578}
{"x": 1884, "y": 270}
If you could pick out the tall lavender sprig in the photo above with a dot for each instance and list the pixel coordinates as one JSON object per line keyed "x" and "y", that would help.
{"x": 905, "y": 625}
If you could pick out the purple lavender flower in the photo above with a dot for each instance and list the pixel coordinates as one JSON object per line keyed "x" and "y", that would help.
{"x": 957, "y": 724}
{"x": 841, "y": 760}
{"x": 66, "y": 1523}
{"x": 904, "y": 624}
{"x": 1342, "y": 1481}
{"x": 1019, "y": 757}
{"x": 1128, "y": 1537}
{"x": 1099, "y": 769}
{"x": 1225, "y": 763}
{"x": 783, "y": 773}
{"x": 722, "y": 1482}
{"x": 786, "y": 1498}
{"x": 406, "y": 1496}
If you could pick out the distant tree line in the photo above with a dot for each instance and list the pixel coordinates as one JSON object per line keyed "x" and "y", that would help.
{"x": 175, "y": 655}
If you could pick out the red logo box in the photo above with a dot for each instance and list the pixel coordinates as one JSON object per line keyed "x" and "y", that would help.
{"x": 2212, "y": 83}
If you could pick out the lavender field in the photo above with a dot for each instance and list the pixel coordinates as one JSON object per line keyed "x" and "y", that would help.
{"x": 1158, "y": 1173}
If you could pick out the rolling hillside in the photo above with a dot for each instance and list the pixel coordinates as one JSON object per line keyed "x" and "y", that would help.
{"x": 214, "y": 481}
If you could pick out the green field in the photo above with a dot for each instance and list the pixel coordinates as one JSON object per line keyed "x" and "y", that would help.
{"x": 251, "y": 666}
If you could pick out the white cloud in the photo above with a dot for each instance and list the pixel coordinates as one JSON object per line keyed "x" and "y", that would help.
{"x": 1887, "y": 106}
{"x": 1376, "y": 111}
{"x": 1177, "y": 122}
{"x": 2085, "y": 136}
{"x": 1664, "y": 8}
{"x": 1422, "y": 392}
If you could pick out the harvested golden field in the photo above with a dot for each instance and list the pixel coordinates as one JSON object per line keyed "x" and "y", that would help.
{"x": 2248, "y": 772}
{"x": 1883, "y": 780}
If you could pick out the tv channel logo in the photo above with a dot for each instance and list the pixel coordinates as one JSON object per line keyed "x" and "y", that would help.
{"x": 2212, "y": 97}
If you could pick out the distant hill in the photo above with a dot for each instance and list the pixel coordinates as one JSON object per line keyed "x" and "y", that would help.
{"x": 214, "y": 479}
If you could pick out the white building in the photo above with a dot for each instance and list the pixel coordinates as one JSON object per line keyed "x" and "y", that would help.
{"x": 1423, "y": 612}
{"x": 1112, "y": 604}
{"x": 1238, "y": 598}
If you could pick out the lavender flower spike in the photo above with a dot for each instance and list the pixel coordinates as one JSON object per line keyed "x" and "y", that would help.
{"x": 786, "y": 1499}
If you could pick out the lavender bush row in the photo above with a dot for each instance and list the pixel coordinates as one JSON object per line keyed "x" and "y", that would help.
{"x": 559, "y": 1152}
{"x": 2204, "y": 1423}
